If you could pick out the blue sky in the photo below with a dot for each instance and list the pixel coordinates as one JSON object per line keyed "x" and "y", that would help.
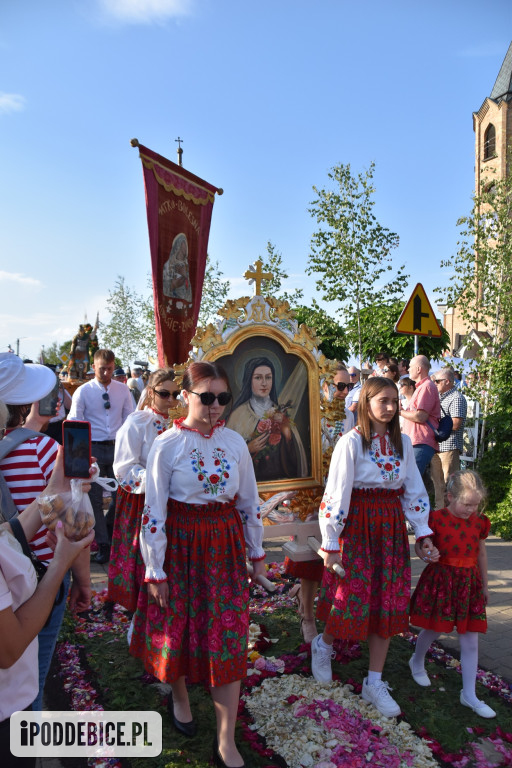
{"x": 267, "y": 96}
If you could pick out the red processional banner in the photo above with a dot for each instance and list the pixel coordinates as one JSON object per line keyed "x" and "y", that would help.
{"x": 179, "y": 210}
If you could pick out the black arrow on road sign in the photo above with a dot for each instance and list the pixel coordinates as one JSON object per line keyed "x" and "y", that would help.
{"x": 417, "y": 313}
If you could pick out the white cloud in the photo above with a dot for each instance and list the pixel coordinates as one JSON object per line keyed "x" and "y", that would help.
{"x": 11, "y": 102}
{"x": 20, "y": 279}
{"x": 144, "y": 11}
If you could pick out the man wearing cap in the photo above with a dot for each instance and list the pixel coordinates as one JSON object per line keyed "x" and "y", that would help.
{"x": 139, "y": 382}
{"x": 447, "y": 461}
{"x": 105, "y": 404}
{"x": 26, "y": 470}
{"x": 120, "y": 375}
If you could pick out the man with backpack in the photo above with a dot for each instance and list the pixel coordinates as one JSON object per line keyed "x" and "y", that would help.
{"x": 447, "y": 461}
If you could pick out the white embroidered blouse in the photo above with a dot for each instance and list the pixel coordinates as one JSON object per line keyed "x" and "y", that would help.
{"x": 133, "y": 442}
{"x": 188, "y": 466}
{"x": 333, "y": 430}
{"x": 380, "y": 467}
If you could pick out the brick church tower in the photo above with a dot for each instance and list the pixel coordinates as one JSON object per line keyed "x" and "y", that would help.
{"x": 492, "y": 125}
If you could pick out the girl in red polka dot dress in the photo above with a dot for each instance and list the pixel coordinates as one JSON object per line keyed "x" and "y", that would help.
{"x": 452, "y": 592}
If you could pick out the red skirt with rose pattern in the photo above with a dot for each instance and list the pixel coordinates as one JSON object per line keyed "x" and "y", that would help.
{"x": 373, "y": 597}
{"x": 126, "y": 567}
{"x": 203, "y": 634}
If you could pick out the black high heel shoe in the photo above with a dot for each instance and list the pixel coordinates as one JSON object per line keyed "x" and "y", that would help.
{"x": 187, "y": 729}
{"x": 217, "y": 757}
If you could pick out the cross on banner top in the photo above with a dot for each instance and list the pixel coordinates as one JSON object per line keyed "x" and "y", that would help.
{"x": 255, "y": 275}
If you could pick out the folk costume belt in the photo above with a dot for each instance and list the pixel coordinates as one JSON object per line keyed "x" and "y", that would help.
{"x": 458, "y": 562}
{"x": 390, "y": 493}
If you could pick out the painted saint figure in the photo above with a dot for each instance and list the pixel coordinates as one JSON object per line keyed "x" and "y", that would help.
{"x": 265, "y": 423}
{"x": 176, "y": 280}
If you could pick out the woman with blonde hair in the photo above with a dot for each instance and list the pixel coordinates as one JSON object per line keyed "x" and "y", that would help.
{"x": 133, "y": 443}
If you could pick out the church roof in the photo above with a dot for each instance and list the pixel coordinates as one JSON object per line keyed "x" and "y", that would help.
{"x": 502, "y": 90}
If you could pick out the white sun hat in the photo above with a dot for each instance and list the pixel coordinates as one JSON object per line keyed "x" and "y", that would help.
{"x": 23, "y": 383}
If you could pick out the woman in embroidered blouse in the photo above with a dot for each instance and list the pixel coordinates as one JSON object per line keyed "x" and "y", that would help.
{"x": 201, "y": 512}
{"x": 133, "y": 442}
{"x": 373, "y": 482}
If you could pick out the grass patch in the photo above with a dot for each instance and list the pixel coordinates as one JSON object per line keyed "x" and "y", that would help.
{"x": 121, "y": 684}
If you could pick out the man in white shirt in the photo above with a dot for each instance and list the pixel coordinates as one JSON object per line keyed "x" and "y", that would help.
{"x": 105, "y": 404}
{"x": 353, "y": 396}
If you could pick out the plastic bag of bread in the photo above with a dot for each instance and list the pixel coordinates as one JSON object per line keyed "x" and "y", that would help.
{"x": 74, "y": 509}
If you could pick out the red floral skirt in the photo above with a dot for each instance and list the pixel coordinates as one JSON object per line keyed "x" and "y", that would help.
{"x": 447, "y": 597}
{"x": 203, "y": 634}
{"x": 126, "y": 568}
{"x": 312, "y": 570}
{"x": 373, "y": 597}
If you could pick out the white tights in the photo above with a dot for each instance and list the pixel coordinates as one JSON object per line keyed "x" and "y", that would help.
{"x": 468, "y": 658}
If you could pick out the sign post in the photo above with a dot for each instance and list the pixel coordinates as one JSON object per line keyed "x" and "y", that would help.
{"x": 417, "y": 318}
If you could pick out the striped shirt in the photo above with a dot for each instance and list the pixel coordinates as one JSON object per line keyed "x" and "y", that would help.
{"x": 27, "y": 471}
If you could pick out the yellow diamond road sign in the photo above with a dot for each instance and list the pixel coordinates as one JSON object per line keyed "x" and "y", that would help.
{"x": 418, "y": 317}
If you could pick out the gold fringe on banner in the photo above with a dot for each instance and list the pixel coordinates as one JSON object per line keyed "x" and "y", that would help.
{"x": 152, "y": 165}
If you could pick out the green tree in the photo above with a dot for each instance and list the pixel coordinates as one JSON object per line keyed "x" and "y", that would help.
{"x": 53, "y": 352}
{"x": 377, "y": 333}
{"x": 273, "y": 262}
{"x": 334, "y": 343}
{"x": 481, "y": 271}
{"x": 215, "y": 292}
{"x": 351, "y": 250}
{"x": 481, "y": 289}
{"x": 131, "y": 332}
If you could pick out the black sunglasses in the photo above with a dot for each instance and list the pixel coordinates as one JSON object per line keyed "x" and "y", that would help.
{"x": 340, "y": 386}
{"x": 208, "y": 398}
{"x": 165, "y": 394}
{"x": 106, "y": 404}
{"x": 438, "y": 381}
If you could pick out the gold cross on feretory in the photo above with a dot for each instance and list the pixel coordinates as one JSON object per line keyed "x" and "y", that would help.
{"x": 256, "y": 276}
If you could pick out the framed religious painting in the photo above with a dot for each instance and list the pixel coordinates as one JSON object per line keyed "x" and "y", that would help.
{"x": 275, "y": 384}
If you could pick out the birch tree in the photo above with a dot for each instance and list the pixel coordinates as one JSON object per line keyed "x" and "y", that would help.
{"x": 351, "y": 250}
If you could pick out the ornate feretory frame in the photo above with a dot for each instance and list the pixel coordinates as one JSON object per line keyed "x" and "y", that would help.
{"x": 270, "y": 318}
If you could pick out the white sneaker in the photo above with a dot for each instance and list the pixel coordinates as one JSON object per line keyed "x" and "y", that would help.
{"x": 378, "y": 695}
{"x": 419, "y": 677}
{"x": 321, "y": 661}
{"x": 480, "y": 709}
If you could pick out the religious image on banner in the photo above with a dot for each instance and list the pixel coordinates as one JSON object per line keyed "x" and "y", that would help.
{"x": 179, "y": 209}
{"x": 176, "y": 279}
